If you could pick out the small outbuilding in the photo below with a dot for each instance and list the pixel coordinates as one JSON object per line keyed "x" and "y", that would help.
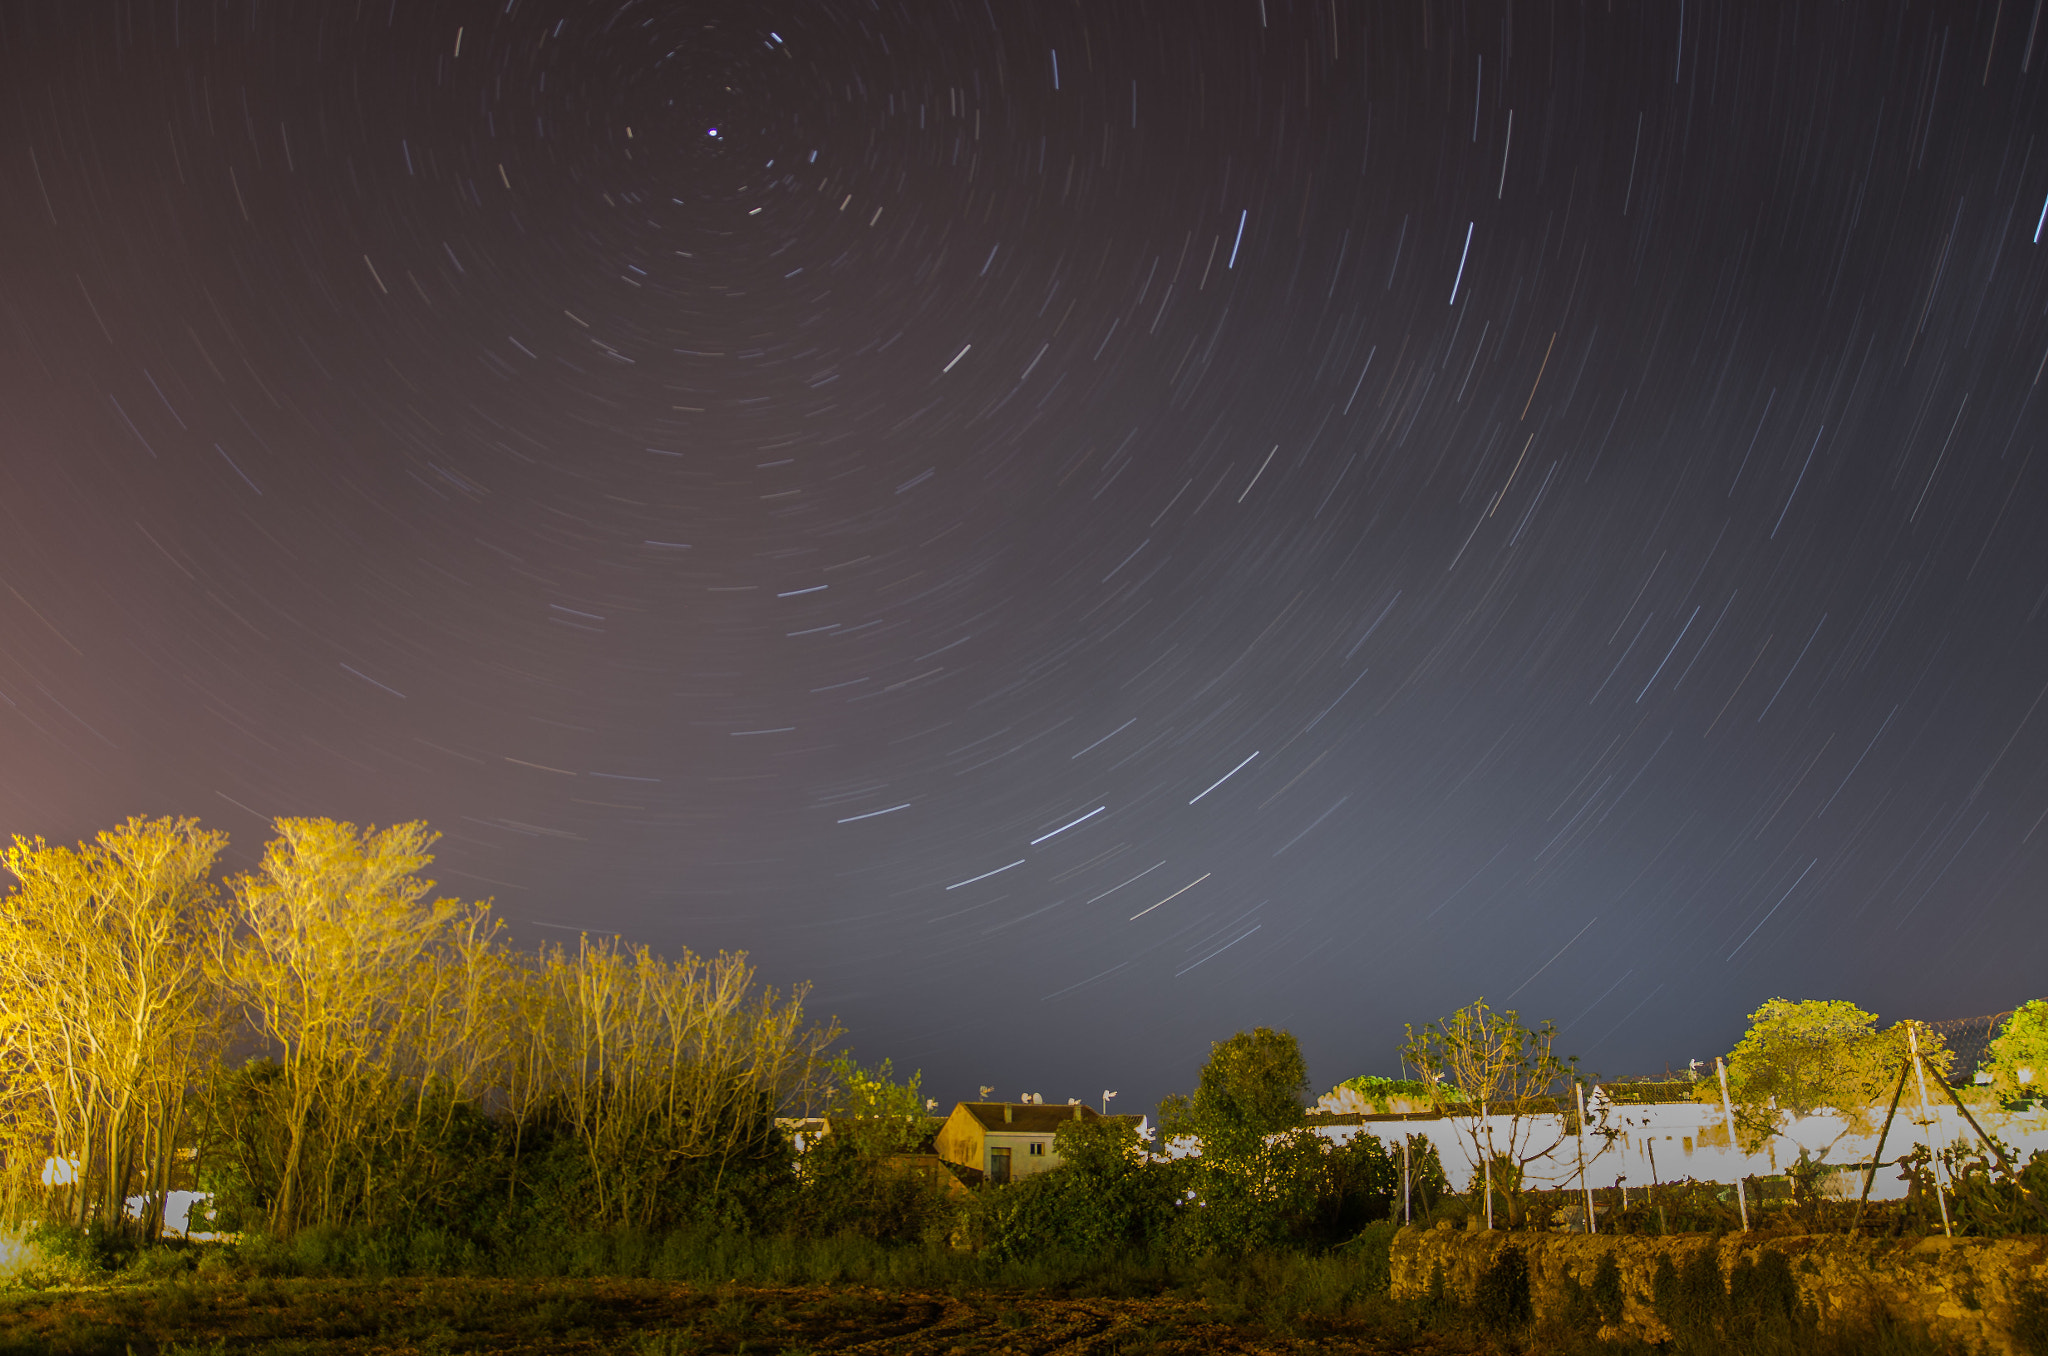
{"x": 1006, "y": 1141}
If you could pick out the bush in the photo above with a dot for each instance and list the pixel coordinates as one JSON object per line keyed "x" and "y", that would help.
{"x": 1372, "y": 1253}
{"x": 842, "y": 1190}
{"x": 66, "y": 1248}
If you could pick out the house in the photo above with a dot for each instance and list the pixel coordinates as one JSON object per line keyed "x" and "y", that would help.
{"x": 1007, "y": 1141}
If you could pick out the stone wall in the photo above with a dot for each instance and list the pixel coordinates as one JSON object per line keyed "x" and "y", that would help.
{"x": 1962, "y": 1288}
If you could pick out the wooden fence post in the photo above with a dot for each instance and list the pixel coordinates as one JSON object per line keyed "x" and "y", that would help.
{"x": 1877, "y": 1154}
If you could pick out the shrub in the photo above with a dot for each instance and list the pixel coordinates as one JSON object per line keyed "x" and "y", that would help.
{"x": 842, "y": 1190}
{"x": 1372, "y": 1253}
{"x": 1105, "y": 1197}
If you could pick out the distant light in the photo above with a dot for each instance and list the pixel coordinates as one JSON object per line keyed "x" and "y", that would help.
{"x": 713, "y": 132}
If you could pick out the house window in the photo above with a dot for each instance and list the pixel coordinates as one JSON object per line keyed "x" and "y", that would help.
{"x": 999, "y": 1166}
{"x": 1037, "y": 1148}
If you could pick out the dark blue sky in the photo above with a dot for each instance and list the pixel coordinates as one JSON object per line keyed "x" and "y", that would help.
{"x": 1075, "y": 529}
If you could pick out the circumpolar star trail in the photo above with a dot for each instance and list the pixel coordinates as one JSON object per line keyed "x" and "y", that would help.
{"x": 412, "y": 411}
{"x": 1225, "y": 777}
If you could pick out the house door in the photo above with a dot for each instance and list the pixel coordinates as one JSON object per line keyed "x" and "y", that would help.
{"x": 999, "y": 1166}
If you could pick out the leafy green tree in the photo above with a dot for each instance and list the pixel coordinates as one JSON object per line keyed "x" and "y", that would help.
{"x": 2019, "y": 1053}
{"x": 851, "y": 1181}
{"x": 871, "y": 1107}
{"x": 1251, "y": 1087}
{"x": 1263, "y": 1178}
{"x": 1798, "y": 1058}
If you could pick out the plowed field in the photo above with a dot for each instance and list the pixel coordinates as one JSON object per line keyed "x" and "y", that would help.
{"x": 654, "y": 1319}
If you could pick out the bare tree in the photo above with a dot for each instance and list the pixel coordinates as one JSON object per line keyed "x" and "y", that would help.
{"x": 1498, "y": 1068}
{"x": 105, "y": 1013}
{"x": 656, "y": 1063}
{"x": 366, "y": 988}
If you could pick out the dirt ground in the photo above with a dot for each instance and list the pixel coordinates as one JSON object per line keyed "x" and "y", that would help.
{"x": 319, "y": 1318}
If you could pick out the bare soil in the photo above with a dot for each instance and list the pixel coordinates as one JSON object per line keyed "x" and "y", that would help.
{"x": 323, "y": 1317}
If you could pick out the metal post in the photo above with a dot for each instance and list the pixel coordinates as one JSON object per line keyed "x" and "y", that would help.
{"x": 1592, "y": 1222}
{"x": 1407, "y": 1177}
{"x": 1728, "y": 1109}
{"x": 1927, "y": 1120}
{"x": 1486, "y": 1163}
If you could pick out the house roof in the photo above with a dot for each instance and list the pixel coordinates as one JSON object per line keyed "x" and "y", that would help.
{"x": 1029, "y": 1118}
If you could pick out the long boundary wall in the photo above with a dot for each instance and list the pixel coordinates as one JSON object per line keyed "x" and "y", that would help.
{"x": 1671, "y": 1141}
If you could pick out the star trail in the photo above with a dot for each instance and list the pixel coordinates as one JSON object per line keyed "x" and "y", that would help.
{"x": 1074, "y": 528}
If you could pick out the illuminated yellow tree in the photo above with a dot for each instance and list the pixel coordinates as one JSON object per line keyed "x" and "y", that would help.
{"x": 106, "y": 1013}
{"x": 367, "y": 989}
{"x": 2018, "y": 1062}
{"x": 1824, "y": 1055}
{"x": 660, "y": 1064}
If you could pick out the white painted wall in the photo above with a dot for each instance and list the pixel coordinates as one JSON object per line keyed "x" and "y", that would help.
{"x": 1664, "y": 1131}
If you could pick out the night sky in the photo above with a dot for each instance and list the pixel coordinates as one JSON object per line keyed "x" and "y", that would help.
{"x": 1076, "y": 528}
